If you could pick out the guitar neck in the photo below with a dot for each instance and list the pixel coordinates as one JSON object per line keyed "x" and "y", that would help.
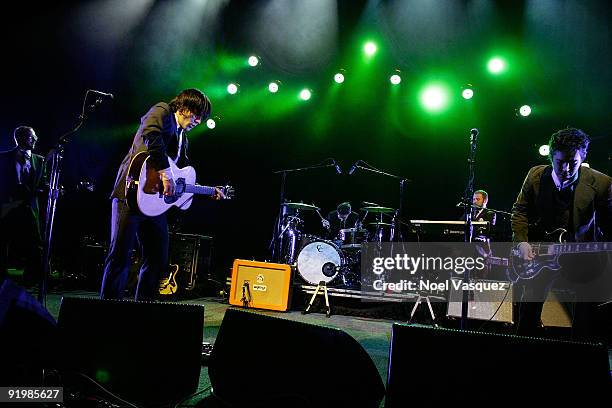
{"x": 574, "y": 248}
{"x": 198, "y": 189}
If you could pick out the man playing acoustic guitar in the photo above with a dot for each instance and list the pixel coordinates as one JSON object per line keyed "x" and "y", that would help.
{"x": 565, "y": 197}
{"x": 162, "y": 135}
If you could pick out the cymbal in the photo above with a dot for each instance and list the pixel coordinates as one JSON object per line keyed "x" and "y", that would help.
{"x": 378, "y": 209}
{"x": 301, "y": 206}
{"x": 383, "y": 224}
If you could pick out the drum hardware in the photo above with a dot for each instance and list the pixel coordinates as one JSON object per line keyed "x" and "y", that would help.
{"x": 352, "y": 238}
{"x": 378, "y": 210}
{"x": 301, "y": 206}
{"x": 419, "y": 299}
{"x": 322, "y": 285}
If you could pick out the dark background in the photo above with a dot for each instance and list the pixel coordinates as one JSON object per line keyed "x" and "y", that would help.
{"x": 146, "y": 51}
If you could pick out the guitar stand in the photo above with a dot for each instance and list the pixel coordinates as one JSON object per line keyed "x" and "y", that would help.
{"x": 246, "y": 294}
{"x": 323, "y": 287}
{"x": 420, "y": 298}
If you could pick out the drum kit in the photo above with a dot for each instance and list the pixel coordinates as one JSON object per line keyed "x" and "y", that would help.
{"x": 336, "y": 260}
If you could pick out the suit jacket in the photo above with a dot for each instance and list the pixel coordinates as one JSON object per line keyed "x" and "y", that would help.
{"x": 157, "y": 135}
{"x": 336, "y": 225}
{"x": 485, "y": 215}
{"x": 14, "y": 194}
{"x": 591, "y": 208}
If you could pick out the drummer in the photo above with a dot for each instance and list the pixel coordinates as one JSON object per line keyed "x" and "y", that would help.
{"x": 343, "y": 217}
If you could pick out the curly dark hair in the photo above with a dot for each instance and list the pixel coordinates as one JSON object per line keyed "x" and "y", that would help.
{"x": 569, "y": 140}
{"x": 193, "y": 100}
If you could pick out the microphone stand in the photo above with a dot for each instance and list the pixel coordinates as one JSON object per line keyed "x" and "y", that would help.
{"x": 402, "y": 181}
{"x": 55, "y": 156}
{"x": 468, "y": 231}
{"x": 277, "y": 240}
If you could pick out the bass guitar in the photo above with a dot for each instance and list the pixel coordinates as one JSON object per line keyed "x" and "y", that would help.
{"x": 547, "y": 255}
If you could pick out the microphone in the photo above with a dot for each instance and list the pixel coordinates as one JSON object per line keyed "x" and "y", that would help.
{"x": 102, "y": 94}
{"x": 337, "y": 167}
{"x": 473, "y": 135}
{"x": 354, "y": 167}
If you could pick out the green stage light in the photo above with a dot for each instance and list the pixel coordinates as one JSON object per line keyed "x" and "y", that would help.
{"x": 253, "y": 60}
{"x": 496, "y": 65}
{"x": 232, "y": 88}
{"x": 273, "y": 87}
{"x": 369, "y": 48}
{"x": 544, "y": 150}
{"x": 339, "y": 78}
{"x": 211, "y": 124}
{"x": 305, "y": 94}
{"x": 434, "y": 98}
{"x": 395, "y": 79}
{"x": 525, "y": 110}
{"x": 467, "y": 93}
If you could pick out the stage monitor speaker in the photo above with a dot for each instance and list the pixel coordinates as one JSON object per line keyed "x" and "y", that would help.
{"x": 494, "y": 305}
{"x": 28, "y": 337}
{"x": 145, "y": 352}
{"x": 265, "y": 361}
{"x": 260, "y": 285}
{"x": 442, "y": 365}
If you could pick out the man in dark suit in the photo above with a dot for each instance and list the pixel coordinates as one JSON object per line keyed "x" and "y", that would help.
{"x": 343, "y": 217}
{"x": 562, "y": 196}
{"x": 23, "y": 177}
{"x": 162, "y": 134}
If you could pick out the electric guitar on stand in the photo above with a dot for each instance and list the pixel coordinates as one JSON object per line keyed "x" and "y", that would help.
{"x": 144, "y": 188}
{"x": 168, "y": 286}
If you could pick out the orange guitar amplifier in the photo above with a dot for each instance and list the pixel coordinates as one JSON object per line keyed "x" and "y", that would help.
{"x": 260, "y": 285}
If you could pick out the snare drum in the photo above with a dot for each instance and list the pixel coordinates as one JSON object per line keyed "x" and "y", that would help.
{"x": 319, "y": 260}
{"x": 352, "y": 237}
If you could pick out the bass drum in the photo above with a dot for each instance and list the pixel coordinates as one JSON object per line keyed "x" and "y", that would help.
{"x": 319, "y": 260}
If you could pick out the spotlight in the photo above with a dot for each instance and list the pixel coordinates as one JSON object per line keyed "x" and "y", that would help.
{"x": 544, "y": 150}
{"x": 232, "y": 88}
{"x": 467, "y": 93}
{"x": 273, "y": 86}
{"x": 395, "y": 78}
{"x": 434, "y": 97}
{"x": 339, "y": 77}
{"x": 370, "y": 48}
{"x": 525, "y": 110}
{"x": 253, "y": 60}
{"x": 211, "y": 124}
{"x": 496, "y": 65}
{"x": 305, "y": 94}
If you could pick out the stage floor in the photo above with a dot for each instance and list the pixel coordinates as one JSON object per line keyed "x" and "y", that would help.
{"x": 373, "y": 333}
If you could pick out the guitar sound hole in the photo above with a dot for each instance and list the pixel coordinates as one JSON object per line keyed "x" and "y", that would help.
{"x": 179, "y": 189}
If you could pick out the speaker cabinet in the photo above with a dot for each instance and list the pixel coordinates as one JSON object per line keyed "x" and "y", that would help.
{"x": 146, "y": 352}
{"x": 260, "y": 285}
{"x": 494, "y": 305}
{"x": 266, "y": 361}
{"x": 442, "y": 365}
{"x": 28, "y": 337}
{"x": 191, "y": 253}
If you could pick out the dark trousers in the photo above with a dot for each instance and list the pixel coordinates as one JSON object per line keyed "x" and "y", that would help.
{"x": 21, "y": 244}
{"x": 127, "y": 228}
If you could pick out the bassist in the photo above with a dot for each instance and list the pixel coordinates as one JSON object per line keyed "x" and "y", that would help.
{"x": 162, "y": 134}
{"x": 562, "y": 196}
